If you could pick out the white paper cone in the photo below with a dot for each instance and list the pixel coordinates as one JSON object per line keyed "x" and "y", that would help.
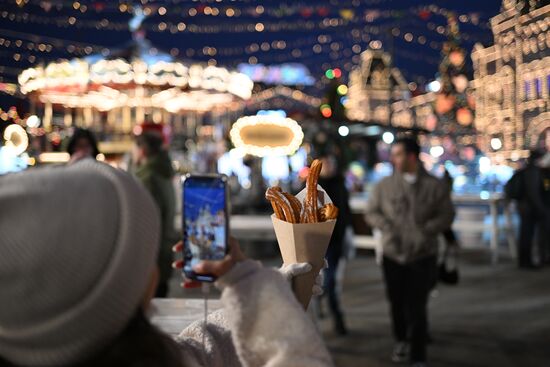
{"x": 300, "y": 243}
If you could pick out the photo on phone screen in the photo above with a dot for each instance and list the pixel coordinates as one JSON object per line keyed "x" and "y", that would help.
{"x": 204, "y": 222}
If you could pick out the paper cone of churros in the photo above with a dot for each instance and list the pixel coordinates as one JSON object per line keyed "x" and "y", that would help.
{"x": 303, "y": 225}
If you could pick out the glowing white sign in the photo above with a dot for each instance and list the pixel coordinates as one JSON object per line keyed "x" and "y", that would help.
{"x": 16, "y": 139}
{"x": 267, "y": 135}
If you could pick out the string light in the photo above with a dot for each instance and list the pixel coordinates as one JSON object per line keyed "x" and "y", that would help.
{"x": 295, "y": 50}
{"x": 342, "y": 89}
{"x": 233, "y": 51}
{"x": 11, "y": 113}
{"x": 192, "y": 11}
{"x": 294, "y": 94}
{"x": 326, "y": 111}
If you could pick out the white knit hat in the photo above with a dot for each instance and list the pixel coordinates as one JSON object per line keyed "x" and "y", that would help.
{"x": 77, "y": 248}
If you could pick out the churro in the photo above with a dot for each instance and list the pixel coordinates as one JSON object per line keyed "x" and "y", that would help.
{"x": 328, "y": 212}
{"x": 296, "y": 206}
{"x": 311, "y": 203}
{"x": 279, "y": 200}
{"x": 288, "y": 208}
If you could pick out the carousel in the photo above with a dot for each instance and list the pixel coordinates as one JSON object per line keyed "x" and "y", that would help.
{"x": 115, "y": 94}
{"x": 128, "y": 88}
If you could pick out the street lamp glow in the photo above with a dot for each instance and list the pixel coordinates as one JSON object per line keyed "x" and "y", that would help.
{"x": 484, "y": 165}
{"x": 33, "y": 121}
{"x": 343, "y": 131}
{"x": 434, "y": 86}
{"x": 437, "y": 151}
{"x": 496, "y": 143}
{"x": 388, "y": 137}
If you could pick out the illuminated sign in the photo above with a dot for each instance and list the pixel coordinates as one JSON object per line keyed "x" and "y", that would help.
{"x": 16, "y": 139}
{"x": 267, "y": 135}
{"x": 284, "y": 74}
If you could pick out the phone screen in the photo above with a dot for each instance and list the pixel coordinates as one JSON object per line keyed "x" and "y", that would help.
{"x": 205, "y": 222}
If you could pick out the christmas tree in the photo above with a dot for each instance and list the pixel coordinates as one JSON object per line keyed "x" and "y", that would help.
{"x": 454, "y": 103}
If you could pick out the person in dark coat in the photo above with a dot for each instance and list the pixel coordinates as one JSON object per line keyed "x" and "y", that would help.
{"x": 82, "y": 144}
{"x": 544, "y": 234}
{"x": 527, "y": 187}
{"x": 154, "y": 170}
{"x": 332, "y": 180}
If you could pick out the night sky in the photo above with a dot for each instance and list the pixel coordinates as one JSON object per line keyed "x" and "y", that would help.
{"x": 48, "y": 22}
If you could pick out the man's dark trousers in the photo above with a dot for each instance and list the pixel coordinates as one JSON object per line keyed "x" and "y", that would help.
{"x": 408, "y": 286}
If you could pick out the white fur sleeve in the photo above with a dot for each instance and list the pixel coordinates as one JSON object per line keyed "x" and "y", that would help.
{"x": 218, "y": 350}
{"x": 268, "y": 326}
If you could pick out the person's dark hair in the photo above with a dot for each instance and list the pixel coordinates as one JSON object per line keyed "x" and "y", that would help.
{"x": 534, "y": 156}
{"x": 139, "y": 345}
{"x": 82, "y": 134}
{"x": 410, "y": 144}
{"x": 151, "y": 142}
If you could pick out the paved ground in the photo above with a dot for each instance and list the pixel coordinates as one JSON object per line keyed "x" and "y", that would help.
{"x": 497, "y": 316}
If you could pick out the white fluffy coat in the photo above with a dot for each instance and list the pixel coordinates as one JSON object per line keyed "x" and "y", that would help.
{"x": 261, "y": 324}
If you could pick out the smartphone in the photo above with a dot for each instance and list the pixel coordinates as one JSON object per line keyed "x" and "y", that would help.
{"x": 205, "y": 216}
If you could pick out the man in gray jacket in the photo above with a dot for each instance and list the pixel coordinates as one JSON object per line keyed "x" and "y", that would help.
{"x": 411, "y": 207}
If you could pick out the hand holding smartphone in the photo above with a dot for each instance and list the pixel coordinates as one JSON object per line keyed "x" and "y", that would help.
{"x": 205, "y": 217}
{"x": 215, "y": 267}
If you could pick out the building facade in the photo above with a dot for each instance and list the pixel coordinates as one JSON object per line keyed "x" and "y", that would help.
{"x": 379, "y": 94}
{"x": 373, "y": 86}
{"x": 512, "y": 82}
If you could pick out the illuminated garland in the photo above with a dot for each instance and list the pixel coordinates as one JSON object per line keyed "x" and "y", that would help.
{"x": 317, "y": 46}
{"x": 257, "y": 98}
{"x": 10, "y": 114}
{"x": 343, "y": 18}
{"x": 81, "y": 49}
{"x": 172, "y": 27}
{"x": 348, "y": 11}
{"x": 8, "y": 88}
{"x": 306, "y": 49}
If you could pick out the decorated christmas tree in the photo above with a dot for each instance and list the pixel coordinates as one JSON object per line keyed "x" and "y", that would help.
{"x": 454, "y": 103}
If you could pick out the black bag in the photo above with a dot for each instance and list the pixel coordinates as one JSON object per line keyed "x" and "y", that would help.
{"x": 448, "y": 269}
{"x": 515, "y": 187}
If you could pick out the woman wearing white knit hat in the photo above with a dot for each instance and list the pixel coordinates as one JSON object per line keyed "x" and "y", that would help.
{"x": 78, "y": 248}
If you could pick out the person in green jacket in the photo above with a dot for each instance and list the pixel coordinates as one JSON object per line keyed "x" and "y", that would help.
{"x": 153, "y": 167}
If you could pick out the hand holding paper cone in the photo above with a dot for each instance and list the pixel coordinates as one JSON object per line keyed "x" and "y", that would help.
{"x": 303, "y": 225}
